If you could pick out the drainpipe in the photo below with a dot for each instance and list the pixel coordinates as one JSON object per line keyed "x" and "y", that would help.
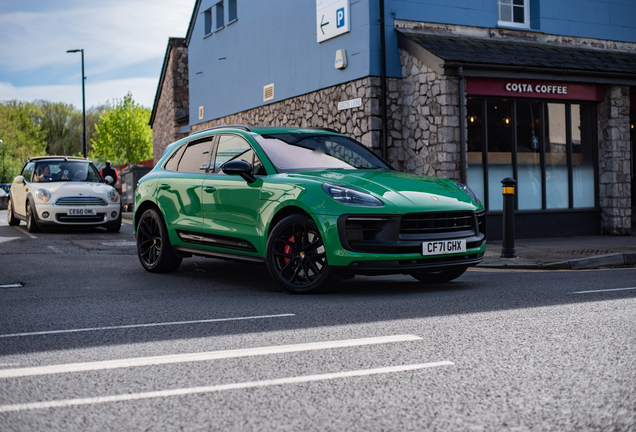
{"x": 462, "y": 130}
{"x": 383, "y": 82}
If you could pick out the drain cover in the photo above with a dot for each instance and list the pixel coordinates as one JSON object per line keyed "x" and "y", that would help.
{"x": 119, "y": 243}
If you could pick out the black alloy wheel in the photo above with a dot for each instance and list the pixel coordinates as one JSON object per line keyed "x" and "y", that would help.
{"x": 440, "y": 276}
{"x": 153, "y": 245}
{"x": 296, "y": 257}
{"x": 32, "y": 224}
{"x": 11, "y": 219}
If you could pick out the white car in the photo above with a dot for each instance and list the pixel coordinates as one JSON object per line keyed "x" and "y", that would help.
{"x": 62, "y": 191}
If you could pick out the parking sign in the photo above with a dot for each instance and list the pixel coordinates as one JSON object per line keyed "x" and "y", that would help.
{"x": 332, "y": 18}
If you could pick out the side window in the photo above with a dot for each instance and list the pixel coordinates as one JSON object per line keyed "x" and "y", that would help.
{"x": 173, "y": 162}
{"x": 232, "y": 147}
{"x": 196, "y": 158}
{"x": 28, "y": 171}
{"x": 514, "y": 13}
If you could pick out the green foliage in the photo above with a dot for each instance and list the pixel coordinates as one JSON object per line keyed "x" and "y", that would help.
{"x": 21, "y": 136}
{"x": 122, "y": 134}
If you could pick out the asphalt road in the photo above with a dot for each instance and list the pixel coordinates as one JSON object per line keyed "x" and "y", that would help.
{"x": 92, "y": 342}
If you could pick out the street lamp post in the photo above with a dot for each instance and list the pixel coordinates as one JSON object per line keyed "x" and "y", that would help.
{"x": 83, "y": 101}
{"x": 4, "y": 180}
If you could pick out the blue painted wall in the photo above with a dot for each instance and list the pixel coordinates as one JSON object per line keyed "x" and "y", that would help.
{"x": 274, "y": 41}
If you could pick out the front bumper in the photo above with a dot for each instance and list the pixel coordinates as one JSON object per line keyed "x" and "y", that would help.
{"x": 391, "y": 252}
{"x": 50, "y": 214}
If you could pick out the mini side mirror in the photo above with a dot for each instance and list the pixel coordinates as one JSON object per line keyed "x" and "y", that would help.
{"x": 240, "y": 167}
{"x": 19, "y": 179}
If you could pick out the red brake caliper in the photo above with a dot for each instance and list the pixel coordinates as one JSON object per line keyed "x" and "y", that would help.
{"x": 288, "y": 248}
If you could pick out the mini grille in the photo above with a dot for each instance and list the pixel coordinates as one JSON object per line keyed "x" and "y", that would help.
{"x": 80, "y": 219}
{"x": 80, "y": 201}
{"x": 436, "y": 222}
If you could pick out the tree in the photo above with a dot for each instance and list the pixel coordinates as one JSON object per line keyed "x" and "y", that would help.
{"x": 21, "y": 135}
{"x": 122, "y": 133}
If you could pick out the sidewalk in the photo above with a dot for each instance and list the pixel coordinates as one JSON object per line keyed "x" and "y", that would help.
{"x": 560, "y": 253}
{"x": 565, "y": 253}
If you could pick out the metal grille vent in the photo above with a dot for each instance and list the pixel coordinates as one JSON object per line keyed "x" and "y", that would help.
{"x": 436, "y": 222}
{"x": 268, "y": 92}
{"x": 80, "y": 201}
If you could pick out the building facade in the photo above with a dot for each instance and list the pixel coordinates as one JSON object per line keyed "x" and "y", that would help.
{"x": 541, "y": 91}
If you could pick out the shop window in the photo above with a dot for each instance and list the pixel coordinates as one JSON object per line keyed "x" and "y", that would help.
{"x": 582, "y": 156}
{"x": 499, "y": 146}
{"x": 556, "y": 158}
{"x": 528, "y": 155}
{"x": 474, "y": 156}
{"x": 514, "y": 13}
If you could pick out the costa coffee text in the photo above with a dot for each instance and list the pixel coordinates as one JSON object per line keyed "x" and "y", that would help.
{"x": 538, "y": 88}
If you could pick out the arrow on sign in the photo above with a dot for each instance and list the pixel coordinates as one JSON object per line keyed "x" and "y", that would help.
{"x": 322, "y": 24}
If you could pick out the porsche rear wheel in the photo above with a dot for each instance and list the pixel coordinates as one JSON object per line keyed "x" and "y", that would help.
{"x": 153, "y": 244}
{"x": 296, "y": 257}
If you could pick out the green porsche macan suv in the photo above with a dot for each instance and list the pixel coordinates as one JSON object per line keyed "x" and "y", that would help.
{"x": 312, "y": 204}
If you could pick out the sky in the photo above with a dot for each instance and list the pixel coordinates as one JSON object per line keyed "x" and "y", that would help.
{"x": 124, "y": 43}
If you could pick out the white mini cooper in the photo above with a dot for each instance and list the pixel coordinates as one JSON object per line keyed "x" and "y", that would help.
{"x": 62, "y": 191}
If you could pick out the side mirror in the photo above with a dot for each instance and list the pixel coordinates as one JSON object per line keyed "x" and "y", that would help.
{"x": 240, "y": 167}
{"x": 19, "y": 179}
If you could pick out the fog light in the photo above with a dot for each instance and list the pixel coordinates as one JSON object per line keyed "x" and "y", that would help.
{"x": 45, "y": 214}
{"x": 113, "y": 214}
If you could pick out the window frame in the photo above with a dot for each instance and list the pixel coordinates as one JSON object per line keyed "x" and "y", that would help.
{"x": 219, "y": 11}
{"x": 526, "y": 15}
{"x": 185, "y": 149}
{"x": 217, "y": 141}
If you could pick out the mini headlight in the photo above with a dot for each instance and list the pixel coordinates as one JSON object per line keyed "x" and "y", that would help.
{"x": 113, "y": 196}
{"x": 468, "y": 191}
{"x": 350, "y": 196}
{"x": 43, "y": 195}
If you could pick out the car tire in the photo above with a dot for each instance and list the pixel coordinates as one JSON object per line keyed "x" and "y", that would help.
{"x": 439, "y": 277}
{"x": 11, "y": 219}
{"x": 298, "y": 270}
{"x": 153, "y": 244}
{"x": 114, "y": 226}
{"x": 32, "y": 224}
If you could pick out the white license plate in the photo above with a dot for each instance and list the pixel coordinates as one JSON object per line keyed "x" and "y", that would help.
{"x": 443, "y": 247}
{"x": 81, "y": 212}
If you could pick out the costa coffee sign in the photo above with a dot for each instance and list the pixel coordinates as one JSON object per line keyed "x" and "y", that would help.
{"x": 534, "y": 89}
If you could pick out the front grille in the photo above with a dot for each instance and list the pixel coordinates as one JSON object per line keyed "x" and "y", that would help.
{"x": 80, "y": 201}
{"x": 434, "y": 224}
{"x": 80, "y": 219}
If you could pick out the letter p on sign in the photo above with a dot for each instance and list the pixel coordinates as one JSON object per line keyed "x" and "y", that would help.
{"x": 340, "y": 18}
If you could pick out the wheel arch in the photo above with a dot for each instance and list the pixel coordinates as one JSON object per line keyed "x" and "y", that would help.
{"x": 146, "y": 205}
{"x": 283, "y": 213}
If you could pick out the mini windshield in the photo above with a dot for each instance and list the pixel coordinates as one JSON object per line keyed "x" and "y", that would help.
{"x": 293, "y": 152}
{"x": 54, "y": 171}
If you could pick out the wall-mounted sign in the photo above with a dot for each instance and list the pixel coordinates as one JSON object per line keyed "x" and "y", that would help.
{"x": 348, "y": 104}
{"x": 332, "y": 18}
{"x": 537, "y": 89}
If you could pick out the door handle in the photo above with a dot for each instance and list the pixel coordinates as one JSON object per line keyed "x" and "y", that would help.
{"x": 209, "y": 189}
{"x": 164, "y": 186}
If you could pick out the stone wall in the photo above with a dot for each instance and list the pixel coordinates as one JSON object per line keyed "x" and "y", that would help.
{"x": 423, "y": 111}
{"x": 320, "y": 109}
{"x": 173, "y": 100}
{"x": 614, "y": 161}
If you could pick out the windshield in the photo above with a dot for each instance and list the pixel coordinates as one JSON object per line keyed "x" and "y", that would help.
{"x": 292, "y": 152}
{"x": 54, "y": 171}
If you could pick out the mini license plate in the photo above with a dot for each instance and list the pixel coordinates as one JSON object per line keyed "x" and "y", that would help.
{"x": 81, "y": 212}
{"x": 443, "y": 247}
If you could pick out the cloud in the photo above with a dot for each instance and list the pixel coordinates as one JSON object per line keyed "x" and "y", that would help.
{"x": 143, "y": 90}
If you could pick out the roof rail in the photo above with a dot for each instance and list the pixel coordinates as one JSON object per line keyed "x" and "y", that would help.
{"x": 325, "y": 129}
{"x": 224, "y": 127}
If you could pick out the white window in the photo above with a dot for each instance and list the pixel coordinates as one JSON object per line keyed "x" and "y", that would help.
{"x": 514, "y": 13}
{"x": 219, "y": 16}
{"x": 207, "y": 22}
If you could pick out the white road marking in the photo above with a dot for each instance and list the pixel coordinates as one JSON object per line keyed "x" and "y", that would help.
{"x": 15, "y": 285}
{"x": 604, "y": 290}
{"x": 24, "y": 231}
{"x": 218, "y": 388}
{"x": 56, "y": 250}
{"x": 144, "y": 325}
{"x": 7, "y": 239}
{"x": 204, "y": 356}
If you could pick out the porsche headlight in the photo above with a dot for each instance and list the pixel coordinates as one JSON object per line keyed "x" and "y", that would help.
{"x": 43, "y": 195}
{"x": 468, "y": 191}
{"x": 350, "y": 196}
{"x": 113, "y": 196}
